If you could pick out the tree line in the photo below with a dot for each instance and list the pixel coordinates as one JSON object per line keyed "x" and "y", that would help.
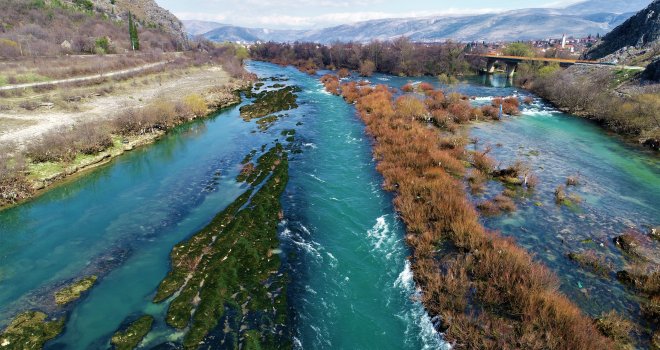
{"x": 397, "y": 57}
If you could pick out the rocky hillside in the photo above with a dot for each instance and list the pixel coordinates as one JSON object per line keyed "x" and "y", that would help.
{"x": 641, "y": 31}
{"x": 56, "y": 27}
{"x": 147, "y": 12}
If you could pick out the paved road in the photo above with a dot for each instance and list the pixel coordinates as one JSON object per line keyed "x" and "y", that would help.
{"x": 82, "y": 79}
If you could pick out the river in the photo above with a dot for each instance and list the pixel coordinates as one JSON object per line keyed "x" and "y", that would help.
{"x": 350, "y": 285}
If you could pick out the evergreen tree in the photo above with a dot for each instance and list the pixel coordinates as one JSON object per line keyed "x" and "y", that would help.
{"x": 133, "y": 33}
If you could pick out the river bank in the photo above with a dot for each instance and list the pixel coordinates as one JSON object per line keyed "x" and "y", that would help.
{"x": 619, "y": 99}
{"x": 39, "y": 177}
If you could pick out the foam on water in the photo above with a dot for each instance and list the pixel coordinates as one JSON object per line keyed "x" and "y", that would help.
{"x": 380, "y": 233}
{"x": 416, "y": 318}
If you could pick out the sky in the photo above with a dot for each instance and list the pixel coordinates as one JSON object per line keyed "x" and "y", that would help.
{"x": 309, "y": 14}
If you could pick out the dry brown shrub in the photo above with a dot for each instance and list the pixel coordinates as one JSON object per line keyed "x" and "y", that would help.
{"x": 615, "y": 327}
{"x": 331, "y": 83}
{"x": 92, "y": 138}
{"x": 14, "y": 185}
{"x": 350, "y": 92}
{"x": 426, "y": 87}
{"x": 54, "y": 146}
{"x": 510, "y": 105}
{"x": 490, "y": 112}
{"x": 410, "y": 107}
{"x": 344, "y": 73}
{"x": 461, "y": 111}
{"x": 483, "y": 162}
{"x": 195, "y": 103}
{"x": 435, "y": 100}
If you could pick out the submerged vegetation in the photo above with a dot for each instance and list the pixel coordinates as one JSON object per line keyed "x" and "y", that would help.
{"x": 227, "y": 278}
{"x": 271, "y": 101}
{"x": 483, "y": 289}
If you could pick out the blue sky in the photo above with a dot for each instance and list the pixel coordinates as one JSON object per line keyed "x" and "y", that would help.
{"x": 323, "y": 13}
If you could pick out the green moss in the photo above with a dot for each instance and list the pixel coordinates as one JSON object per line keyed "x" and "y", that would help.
{"x": 248, "y": 158}
{"x": 29, "y": 331}
{"x": 288, "y": 132}
{"x": 267, "y": 122}
{"x": 230, "y": 270}
{"x": 129, "y": 338}
{"x": 269, "y": 102}
{"x": 72, "y": 292}
{"x": 590, "y": 260}
{"x": 252, "y": 175}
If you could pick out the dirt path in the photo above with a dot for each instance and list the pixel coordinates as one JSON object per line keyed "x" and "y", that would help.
{"x": 84, "y": 79}
{"x": 20, "y": 127}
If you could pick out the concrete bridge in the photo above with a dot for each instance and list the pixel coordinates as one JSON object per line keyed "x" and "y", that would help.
{"x": 512, "y": 62}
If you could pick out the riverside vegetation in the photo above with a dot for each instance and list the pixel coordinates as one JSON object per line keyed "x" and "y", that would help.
{"x": 64, "y": 151}
{"x": 485, "y": 291}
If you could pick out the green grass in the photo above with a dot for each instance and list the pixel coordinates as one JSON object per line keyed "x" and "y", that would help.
{"x": 623, "y": 75}
{"x": 40, "y": 171}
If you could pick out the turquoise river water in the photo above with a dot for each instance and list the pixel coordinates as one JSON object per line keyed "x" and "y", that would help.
{"x": 351, "y": 287}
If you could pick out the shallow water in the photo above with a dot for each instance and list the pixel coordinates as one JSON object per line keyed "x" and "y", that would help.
{"x": 619, "y": 185}
{"x": 350, "y": 287}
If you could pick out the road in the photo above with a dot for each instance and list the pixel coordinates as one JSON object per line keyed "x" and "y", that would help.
{"x": 83, "y": 79}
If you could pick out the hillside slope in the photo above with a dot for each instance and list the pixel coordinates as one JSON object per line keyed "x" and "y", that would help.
{"x": 640, "y": 31}
{"x": 56, "y": 27}
{"x": 147, "y": 12}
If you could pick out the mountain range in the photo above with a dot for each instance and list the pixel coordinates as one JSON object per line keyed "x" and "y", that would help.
{"x": 581, "y": 19}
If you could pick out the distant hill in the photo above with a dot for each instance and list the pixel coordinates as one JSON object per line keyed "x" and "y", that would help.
{"x": 55, "y": 27}
{"x": 194, "y": 27}
{"x": 611, "y": 6}
{"x": 581, "y": 19}
{"x": 639, "y": 31}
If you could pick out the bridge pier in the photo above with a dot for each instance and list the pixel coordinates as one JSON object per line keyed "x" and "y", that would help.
{"x": 490, "y": 66}
{"x": 511, "y": 69}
